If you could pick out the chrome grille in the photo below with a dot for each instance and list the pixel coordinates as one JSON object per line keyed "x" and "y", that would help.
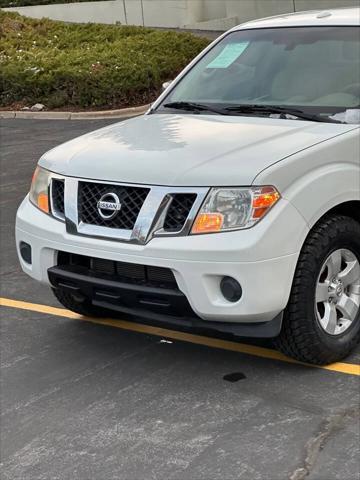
{"x": 57, "y": 197}
{"x": 178, "y": 211}
{"x": 145, "y": 211}
{"x": 131, "y": 198}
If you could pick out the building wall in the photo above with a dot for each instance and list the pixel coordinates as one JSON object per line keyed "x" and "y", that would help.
{"x": 202, "y": 14}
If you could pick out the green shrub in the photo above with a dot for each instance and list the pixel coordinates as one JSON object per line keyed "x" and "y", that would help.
{"x": 24, "y": 3}
{"x": 87, "y": 65}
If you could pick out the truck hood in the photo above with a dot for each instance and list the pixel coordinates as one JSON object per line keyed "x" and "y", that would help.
{"x": 186, "y": 150}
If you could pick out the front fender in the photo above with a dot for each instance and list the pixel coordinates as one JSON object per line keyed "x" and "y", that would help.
{"x": 319, "y": 178}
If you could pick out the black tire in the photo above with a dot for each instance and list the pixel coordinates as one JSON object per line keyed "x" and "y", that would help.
{"x": 77, "y": 304}
{"x": 301, "y": 336}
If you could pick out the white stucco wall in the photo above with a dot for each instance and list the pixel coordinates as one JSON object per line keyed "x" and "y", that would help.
{"x": 206, "y": 14}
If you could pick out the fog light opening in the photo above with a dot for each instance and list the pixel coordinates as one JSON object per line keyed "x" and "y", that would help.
{"x": 25, "y": 252}
{"x": 231, "y": 289}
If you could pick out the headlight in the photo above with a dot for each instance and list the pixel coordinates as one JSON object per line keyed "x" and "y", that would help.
{"x": 227, "y": 209}
{"x": 39, "y": 190}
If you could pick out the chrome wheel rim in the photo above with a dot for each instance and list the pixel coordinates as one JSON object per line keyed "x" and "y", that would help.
{"x": 337, "y": 297}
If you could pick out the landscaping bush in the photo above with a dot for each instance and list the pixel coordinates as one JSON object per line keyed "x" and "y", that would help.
{"x": 24, "y": 3}
{"x": 87, "y": 65}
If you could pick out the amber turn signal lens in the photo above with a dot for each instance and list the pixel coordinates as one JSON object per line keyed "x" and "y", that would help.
{"x": 266, "y": 199}
{"x": 208, "y": 222}
{"x": 259, "y": 212}
{"x": 43, "y": 202}
{"x": 263, "y": 201}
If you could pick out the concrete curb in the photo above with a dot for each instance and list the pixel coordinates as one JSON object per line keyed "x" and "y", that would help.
{"x": 121, "y": 113}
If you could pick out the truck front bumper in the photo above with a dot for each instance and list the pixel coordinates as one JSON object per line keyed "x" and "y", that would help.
{"x": 262, "y": 259}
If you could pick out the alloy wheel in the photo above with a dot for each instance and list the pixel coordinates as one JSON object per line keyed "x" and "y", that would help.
{"x": 337, "y": 297}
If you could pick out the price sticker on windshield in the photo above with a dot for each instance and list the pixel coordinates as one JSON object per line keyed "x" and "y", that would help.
{"x": 228, "y": 55}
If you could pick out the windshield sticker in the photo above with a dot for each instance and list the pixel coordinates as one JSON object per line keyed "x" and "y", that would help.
{"x": 228, "y": 55}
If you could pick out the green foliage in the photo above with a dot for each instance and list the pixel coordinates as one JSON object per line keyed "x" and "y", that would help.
{"x": 23, "y": 3}
{"x": 87, "y": 65}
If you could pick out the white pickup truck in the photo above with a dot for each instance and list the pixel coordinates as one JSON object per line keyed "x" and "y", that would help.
{"x": 233, "y": 205}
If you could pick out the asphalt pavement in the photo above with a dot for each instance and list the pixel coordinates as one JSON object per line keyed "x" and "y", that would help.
{"x": 82, "y": 400}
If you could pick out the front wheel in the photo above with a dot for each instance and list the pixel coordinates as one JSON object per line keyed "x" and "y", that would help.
{"x": 322, "y": 320}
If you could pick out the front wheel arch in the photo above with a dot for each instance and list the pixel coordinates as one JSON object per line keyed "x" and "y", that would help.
{"x": 348, "y": 209}
{"x": 301, "y": 336}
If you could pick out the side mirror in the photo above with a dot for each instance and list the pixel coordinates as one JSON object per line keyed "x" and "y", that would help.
{"x": 166, "y": 85}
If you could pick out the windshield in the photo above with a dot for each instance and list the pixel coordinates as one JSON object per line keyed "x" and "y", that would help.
{"x": 313, "y": 69}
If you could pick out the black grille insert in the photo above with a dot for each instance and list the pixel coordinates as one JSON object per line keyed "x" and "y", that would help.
{"x": 178, "y": 211}
{"x": 132, "y": 273}
{"x": 58, "y": 191}
{"x": 131, "y": 198}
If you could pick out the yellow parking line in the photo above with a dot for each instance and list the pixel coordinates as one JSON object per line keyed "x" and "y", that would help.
{"x": 347, "y": 368}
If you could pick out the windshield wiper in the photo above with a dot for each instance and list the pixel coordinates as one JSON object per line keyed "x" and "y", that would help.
{"x": 195, "y": 107}
{"x": 273, "y": 109}
{"x": 250, "y": 108}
